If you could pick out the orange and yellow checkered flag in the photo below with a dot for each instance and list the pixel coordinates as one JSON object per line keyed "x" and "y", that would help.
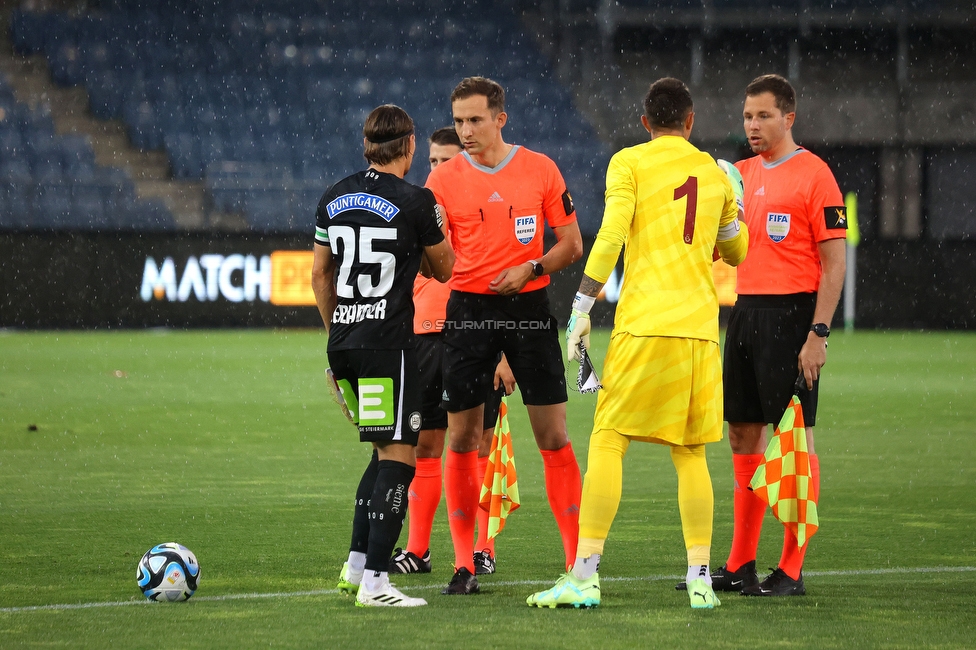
{"x": 783, "y": 477}
{"x": 499, "y": 492}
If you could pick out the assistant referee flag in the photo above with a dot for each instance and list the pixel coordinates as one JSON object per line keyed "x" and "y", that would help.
{"x": 783, "y": 478}
{"x": 499, "y": 492}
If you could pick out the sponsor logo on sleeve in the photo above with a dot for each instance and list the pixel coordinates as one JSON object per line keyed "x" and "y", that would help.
{"x": 568, "y": 203}
{"x": 777, "y": 226}
{"x": 836, "y": 217}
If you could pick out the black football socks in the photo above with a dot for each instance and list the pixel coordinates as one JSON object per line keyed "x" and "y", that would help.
{"x": 360, "y": 517}
{"x": 387, "y": 511}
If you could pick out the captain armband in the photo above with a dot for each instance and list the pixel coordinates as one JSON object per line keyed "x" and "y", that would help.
{"x": 728, "y": 231}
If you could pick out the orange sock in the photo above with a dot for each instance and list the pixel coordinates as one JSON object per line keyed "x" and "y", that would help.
{"x": 461, "y": 489}
{"x": 483, "y": 543}
{"x": 791, "y": 561}
{"x": 564, "y": 487}
{"x": 748, "y": 512}
{"x": 425, "y": 496}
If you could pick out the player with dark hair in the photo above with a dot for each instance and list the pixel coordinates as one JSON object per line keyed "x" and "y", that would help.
{"x": 372, "y": 230}
{"x": 497, "y": 199}
{"x": 444, "y": 145}
{"x": 662, "y": 379}
{"x": 430, "y": 303}
{"x": 788, "y": 290}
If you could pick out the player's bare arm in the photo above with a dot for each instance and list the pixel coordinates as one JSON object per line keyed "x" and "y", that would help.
{"x": 440, "y": 260}
{"x": 833, "y": 261}
{"x": 323, "y": 282}
{"x": 512, "y": 280}
{"x": 590, "y": 287}
{"x": 504, "y": 376}
{"x": 425, "y": 269}
{"x": 567, "y": 249}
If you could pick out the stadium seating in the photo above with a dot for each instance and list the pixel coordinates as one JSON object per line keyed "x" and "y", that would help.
{"x": 50, "y": 181}
{"x": 287, "y": 84}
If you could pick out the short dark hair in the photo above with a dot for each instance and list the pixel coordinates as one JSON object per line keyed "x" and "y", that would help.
{"x": 471, "y": 86}
{"x": 387, "y": 129}
{"x": 668, "y": 103}
{"x": 780, "y": 88}
{"x": 446, "y": 135}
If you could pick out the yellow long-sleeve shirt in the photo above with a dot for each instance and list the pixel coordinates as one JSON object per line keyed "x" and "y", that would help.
{"x": 667, "y": 202}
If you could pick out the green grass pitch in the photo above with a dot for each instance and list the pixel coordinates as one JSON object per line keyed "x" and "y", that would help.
{"x": 226, "y": 442}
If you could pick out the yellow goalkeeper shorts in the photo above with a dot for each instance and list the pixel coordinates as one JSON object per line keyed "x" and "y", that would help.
{"x": 661, "y": 389}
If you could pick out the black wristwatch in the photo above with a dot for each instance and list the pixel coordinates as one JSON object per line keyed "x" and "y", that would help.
{"x": 820, "y": 329}
{"x": 537, "y": 269}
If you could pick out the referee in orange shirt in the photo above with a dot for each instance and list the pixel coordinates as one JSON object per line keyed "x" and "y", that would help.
{"x": 498, "y": 198}
{"x": 430, "y": 306}
{"x": 788, "y": 289}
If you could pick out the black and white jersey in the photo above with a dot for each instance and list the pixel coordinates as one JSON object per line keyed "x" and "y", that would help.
{"x": 376, "y": 225}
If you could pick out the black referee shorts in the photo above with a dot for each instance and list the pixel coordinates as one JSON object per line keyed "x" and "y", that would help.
{"x": 479, "y": 327}
{"x": 762, "y": 346}
{"x": 430, "y": 356}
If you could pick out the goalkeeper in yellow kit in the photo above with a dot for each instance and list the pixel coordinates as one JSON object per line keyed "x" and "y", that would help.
{"x": 672, "y": 205}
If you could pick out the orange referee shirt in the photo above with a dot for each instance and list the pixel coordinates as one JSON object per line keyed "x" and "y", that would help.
{"x": 790, "y": 206}
{"x": 496, "y": 215}
{"x": 429, "y": 305}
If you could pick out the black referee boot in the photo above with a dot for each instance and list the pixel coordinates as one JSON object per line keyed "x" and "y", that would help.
{"x": 725, "y": 580}
{"x": 777, "y": 584}
{"x": 462, "y": 584}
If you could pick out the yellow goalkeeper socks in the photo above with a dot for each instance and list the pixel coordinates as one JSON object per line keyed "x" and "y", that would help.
{"x": 695, "y": 501}
{"x": 601, "y": 489}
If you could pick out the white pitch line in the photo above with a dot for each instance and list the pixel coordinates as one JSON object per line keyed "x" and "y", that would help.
{"x": 508, "y": 583}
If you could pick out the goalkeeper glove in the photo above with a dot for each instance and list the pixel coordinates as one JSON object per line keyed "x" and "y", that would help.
{"x": 738, "y": 187}
{"x": 579, "y": 326}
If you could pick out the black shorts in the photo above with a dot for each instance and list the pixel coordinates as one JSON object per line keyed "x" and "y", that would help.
{"x": 762, "y": 345}
{"x": 430, "y": 356}
{"x": 384, "y": 392}
{"x": 479, "y": 326}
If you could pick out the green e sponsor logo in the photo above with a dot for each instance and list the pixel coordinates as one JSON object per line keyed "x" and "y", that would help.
{"x": 349, "y": 398}
{"x": 376, "y": 403}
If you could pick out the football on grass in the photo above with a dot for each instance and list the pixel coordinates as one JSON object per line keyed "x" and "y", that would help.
{"x": 168, "y": 572}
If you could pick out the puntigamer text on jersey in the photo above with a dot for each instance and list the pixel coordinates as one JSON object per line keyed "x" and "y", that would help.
{"x": 362, "y": 201}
